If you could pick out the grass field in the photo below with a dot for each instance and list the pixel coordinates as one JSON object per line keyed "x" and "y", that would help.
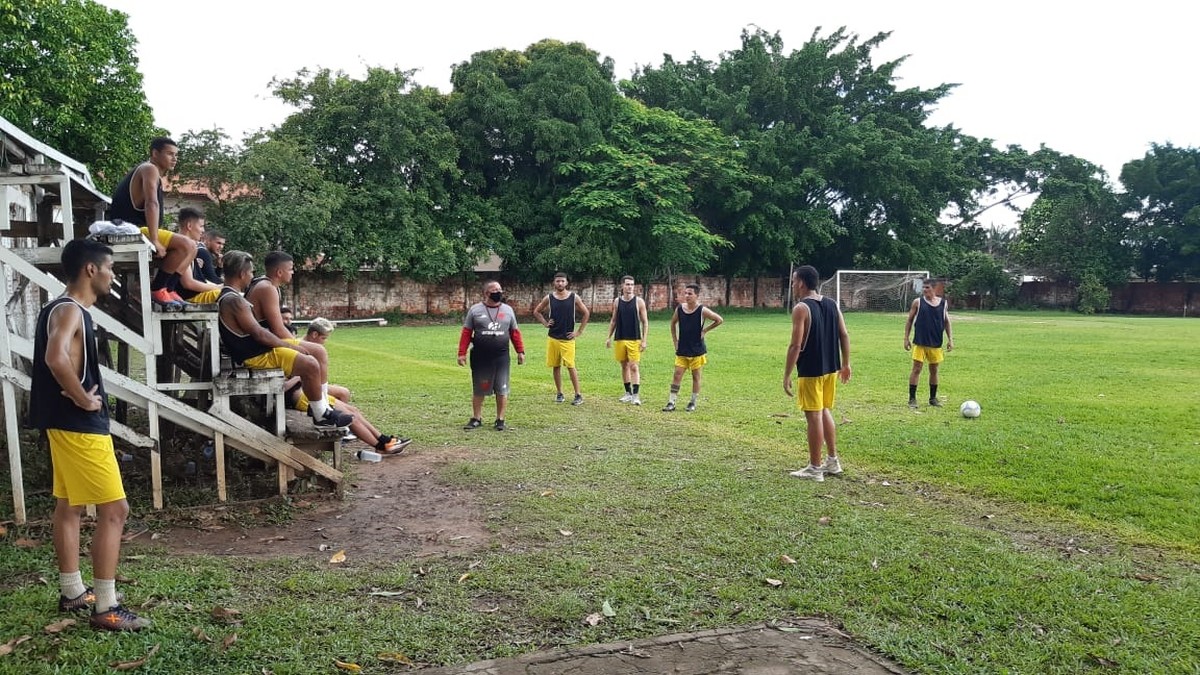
{"x": 1057, "y": 533}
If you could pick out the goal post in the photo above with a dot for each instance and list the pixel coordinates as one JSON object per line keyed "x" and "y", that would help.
{"x": 877, "y": 290}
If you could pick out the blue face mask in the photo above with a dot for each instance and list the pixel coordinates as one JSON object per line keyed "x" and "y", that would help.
{"x": 496, "y": 297}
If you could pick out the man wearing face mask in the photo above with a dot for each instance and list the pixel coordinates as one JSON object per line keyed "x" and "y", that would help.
{"x": 487, "y": 329}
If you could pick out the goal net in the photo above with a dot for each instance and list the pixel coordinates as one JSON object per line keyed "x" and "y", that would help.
{"x": 876, "y": 290}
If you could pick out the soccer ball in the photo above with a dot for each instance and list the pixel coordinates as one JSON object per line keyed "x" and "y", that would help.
{"x": 970, "y": 409}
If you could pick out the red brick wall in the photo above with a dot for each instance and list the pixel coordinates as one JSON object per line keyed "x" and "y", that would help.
{"x": 1169, "y": 299}
{"x": 328, "y": 294}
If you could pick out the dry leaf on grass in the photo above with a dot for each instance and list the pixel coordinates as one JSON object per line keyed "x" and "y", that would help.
{"x": 226, "y": 615}
{"x": 386, "y": 594}
{"x": 464, "y": 577}
{"x": 350, "y": 667}
{"x": 59, "y": 626}
{"x": 547, "y": 493}
{"x": 27, "y": 543}
{"x": 1146, "y": 577}
{"x": 566, "y": 533}
{"x": 787, "y": 559}
{"x": 490, "y": 610}
{"x": 338, "y": 558}
{"x": 395, "y": 657}
{"x": 593, "y": 619}
{"x": 774, "y": 583}
{"x": 475, "y": 564}
{"x": 200, "y": 634}
{"x": 130, "y": 665}
{"x": 8, "y": 647}
{"x": 824, "y": 520}
{"x": 229, "y": 640}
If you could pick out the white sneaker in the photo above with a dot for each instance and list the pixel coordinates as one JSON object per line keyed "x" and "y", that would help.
{"x": 833, "y": 466}
{"x": 810, "y": 472}
{"x": 627, "y": 398}
{"x": 637, "y": 400}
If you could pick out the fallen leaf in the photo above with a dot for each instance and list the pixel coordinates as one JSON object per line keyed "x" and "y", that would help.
{"x": 122, "y": 579}
{"x": 3, "y": 531}
{"x": 59, "y": 626}
{"x": 787, "y": 629}
{"x": 475, "y": 564}
{"x": 885, "y": 483}
{"x": 351, "y": 667}
{"x": 593, "y": 619}
{"x": 847, "y": 420}
{"x": 395, "y": 657}
{"x": 338, "y": 558}
{"x": 130, "y": 536}
{"x": 1146, "y": 577}
{"x": 226, "y": 615}
{"x": 607, "y": 609}
{"x": 547, "y": 493}
{"x": 229, "y": 639}
{"x": 8, "y": 647}
{"x": 1100, "y": 660}
{"x": 774, "y": 583}
{"x": 200, "y": 634}
{"x": 460, "y": 537}
{"x": 419, "y": 602}
{"x": 324, "y": 547}
{"x": 464, "y": 577}
{"x": 566, "y": 533}
{"x": 824, "y": 520}
{"x": 265, "y": 540}
{"x": 385, "y": 594}
{"x": 130, "y": 665}
{"x": 787, "y": 559}
{"x": 490, "y": 610}
{"x": 26, "y": 543}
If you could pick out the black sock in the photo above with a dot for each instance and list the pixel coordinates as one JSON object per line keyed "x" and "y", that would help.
{"x": 932, "y": 391}
{"x": 161, "y": 278}
{"x": 382, "y": 440}
{"x": 635, "y": 389}
{"x": 912, "y": 392}
{"x": 628, "y": 389}
{"x": 173, "y": 281}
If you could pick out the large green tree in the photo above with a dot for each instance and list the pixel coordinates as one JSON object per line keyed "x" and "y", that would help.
{"x": 69, "y": 77}
{"x": 1166, "y": 183}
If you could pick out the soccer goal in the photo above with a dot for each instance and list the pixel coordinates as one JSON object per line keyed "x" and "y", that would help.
{"x": 877, "y": 290}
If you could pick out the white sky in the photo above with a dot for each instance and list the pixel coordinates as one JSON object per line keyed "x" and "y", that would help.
{"x": 1099, "y": 80}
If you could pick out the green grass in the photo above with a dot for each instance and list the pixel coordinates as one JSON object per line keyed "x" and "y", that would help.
{"x": 1056, "y": 533}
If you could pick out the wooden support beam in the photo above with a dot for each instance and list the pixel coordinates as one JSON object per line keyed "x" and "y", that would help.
{"x": 219, "y": 454}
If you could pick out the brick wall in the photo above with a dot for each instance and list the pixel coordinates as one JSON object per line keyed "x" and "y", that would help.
{"x": 328, "y": 294}
{"x": 1166, "y": 299}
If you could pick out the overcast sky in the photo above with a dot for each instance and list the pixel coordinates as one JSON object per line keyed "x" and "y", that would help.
{"x": 1101, "y": 81}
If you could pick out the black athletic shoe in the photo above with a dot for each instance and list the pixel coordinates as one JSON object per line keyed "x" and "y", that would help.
{"x": 935, "y": 403}
{"x": 118, "y": 618}
{"x": 912, "y": 403}
{"x": 578, "y": 400}
{"x": 473, "y": 423}
{"x": 560, "y": 398}
{"x": 500, "y": 425}
{"x": 81, "y": 602}
{"x": 332, "y": 418}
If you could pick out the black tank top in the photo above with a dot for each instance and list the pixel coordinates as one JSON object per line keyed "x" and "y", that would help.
{"x": 690, "y": 326}
{"x": 48, "y": 408}
{"x": 239, "y": 346}
{"x": 563, "y": 313}
{"x": 254, "y": 282}
{"x": 628, "y": 325}
{"x": 930, "y": 324}
{"x": 122, "y": 207}
{"x": 822, "y": 351}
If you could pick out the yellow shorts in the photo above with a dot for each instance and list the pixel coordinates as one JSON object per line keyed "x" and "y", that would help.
{"x": 815, "y": 393}
{"x": 205, "y": 298}
{"x": 85, "y": 468}
{"x": 279, "y": 357}
{"x": 932, "y": 355}
{"x": 627, "y": 350}
{"x": 302, "y": 402}
{"x": 691, "y": 362}
{"x": 560, "y": 353}
{"x": 164, "y": 235}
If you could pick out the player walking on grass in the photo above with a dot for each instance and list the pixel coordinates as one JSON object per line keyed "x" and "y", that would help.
{"x": 627, "y": 336}
{"x": 487, "y": 329}
{"x": 819, "y": 350}
{"x": 687, "y": 332}
{"x": 557, "y": 312}
{"x": 67, "y": 400}
{"x": 931, "y": 317}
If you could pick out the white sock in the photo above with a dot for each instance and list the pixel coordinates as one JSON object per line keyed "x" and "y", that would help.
{"x": 106, "y": 594}
{"x": 70, "y": 584}
{"x": 325, "y": 391}
{"x": 318, "y": 407}
{"x": 694, "y": 397}
{"x": 672, "y": 397}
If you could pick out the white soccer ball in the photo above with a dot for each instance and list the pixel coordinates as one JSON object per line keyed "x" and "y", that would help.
{"x": 970, "y": 409}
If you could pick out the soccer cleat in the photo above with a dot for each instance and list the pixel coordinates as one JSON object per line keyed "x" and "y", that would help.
{"x": 473, "y": 423}
{"x": 935, "y": 403}
{"x": 691, "y": 407}
{"x": 82, "y": 601}
{"x": 912, "y": 403}
{"x": 833, "y": 466}
{"x": 393, "y": 445}
{"x": 578, "y": 400}
{"x": 627, "y": 398}
{"x": 176, "y": 297}
{"x": 810, "y": 472}
{"x": 560, "y": 398}
{"x": 331, "y": 418}
{"x": 349, "y": 437}
{"x": 637, "y": 400}
{"x": 669, "y": 407}
{"x": 170, "y": 302}
{"x": 500, "y": 425}
{"x": 117, "y": 618}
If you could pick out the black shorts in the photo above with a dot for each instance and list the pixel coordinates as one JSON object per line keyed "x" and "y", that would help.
{"x": 489, "y": 373}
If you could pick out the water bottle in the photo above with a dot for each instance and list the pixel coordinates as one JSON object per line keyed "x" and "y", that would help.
{"x": 368, "y": 456}
{"x": 208, "y": 451}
